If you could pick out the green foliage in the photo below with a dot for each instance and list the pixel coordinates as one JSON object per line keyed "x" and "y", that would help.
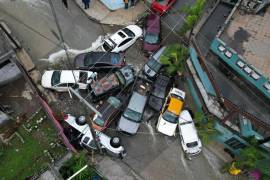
{"x": 173, "y": 58}
{"x": 206, "y": 127}
{"x": 193, "y": 15}
{"x": 25, "y": 159}
{"x": 75, "y": 163}
{"x": 252, "y": 157}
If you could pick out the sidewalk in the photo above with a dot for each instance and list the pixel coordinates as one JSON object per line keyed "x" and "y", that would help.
{"x": 103, "y": 15}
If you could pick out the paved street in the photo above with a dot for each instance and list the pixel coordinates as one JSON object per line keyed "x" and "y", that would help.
{"x": 33, "y": 23}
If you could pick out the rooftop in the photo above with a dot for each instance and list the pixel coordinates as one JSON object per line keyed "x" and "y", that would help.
{"x": 249, "y": 35}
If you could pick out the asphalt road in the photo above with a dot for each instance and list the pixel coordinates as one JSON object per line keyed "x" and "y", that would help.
{"x": 33, "y": 24}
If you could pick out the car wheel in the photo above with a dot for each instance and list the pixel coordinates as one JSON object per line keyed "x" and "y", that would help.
{"x": 81, "y": 120}
{"x": 115, "y": 142}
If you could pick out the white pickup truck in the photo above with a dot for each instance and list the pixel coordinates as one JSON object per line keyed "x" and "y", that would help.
{"x": 111, "y": 145}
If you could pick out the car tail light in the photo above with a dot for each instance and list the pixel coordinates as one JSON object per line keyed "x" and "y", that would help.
{"x": 65, "y": 116}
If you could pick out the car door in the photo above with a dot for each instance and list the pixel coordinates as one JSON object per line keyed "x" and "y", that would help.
{"x": 125, "y": 44}
{"x": 62, "y": 87}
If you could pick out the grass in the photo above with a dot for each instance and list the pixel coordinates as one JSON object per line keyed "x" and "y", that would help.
{"x": 20, "y": 160}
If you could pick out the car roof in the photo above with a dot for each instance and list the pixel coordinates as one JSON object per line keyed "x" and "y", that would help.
{"x": 137, "y": 102}
{"x": 106, "y": 109}
{"x": 175, "y": 106}
{"x": 67, "y": 76}
{"x": 153, "y": 23}
{"x": 158, "y": 53}
{"x": 116, "y": 37}
{"x": 189, "y": 132}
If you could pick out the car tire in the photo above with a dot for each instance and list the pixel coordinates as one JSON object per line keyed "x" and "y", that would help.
{"x": 115, "y": 142}
{"x": 81, "y": 120}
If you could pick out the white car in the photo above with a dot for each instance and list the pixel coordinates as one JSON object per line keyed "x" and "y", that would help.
{"x": 111, "y": 145}
{"x": 122, "y": 39}
{"x": 61, "y": 80}
{"x": 188, "y": 134}
{"x": 167, "y": 121}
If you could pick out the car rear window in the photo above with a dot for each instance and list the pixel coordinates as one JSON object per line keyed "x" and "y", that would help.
{"x": 129, "y": 32}
{"x": 154, "y": 65}
{"x": 115, "y": 58}
{"x": 99, "y": 121}
{"x": 133, "y": 115}
{"x": 151, "y": 38}
{"x": 192, "y": 144}
{"x": 56, "y": 77}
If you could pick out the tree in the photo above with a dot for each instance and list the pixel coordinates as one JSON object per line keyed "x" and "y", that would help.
{"x": 174, "y": 58}
{"x": 206, "y": 127}
{"x": 193, "y": 14}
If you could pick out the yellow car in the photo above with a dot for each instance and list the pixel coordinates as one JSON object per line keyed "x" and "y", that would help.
{"x": 167, "y": 121}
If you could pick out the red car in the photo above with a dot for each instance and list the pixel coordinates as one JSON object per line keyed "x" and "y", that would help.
{"x": 162, "y": 6}
{"x": 152, "y": 35}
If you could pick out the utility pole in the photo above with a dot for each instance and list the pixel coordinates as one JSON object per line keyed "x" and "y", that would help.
{"x": 92, "y": 108}
{"x": 70, "y": 88}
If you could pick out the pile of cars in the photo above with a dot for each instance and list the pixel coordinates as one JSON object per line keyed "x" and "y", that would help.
{"x": 121, "y": 94}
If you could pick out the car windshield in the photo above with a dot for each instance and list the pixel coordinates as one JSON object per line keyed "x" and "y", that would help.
{"x": 109, "y": 45}
{"x": 129, "y": 32}
{"x": 116, "y": 103}
{"x": 170, "y": 117}
{"x": 89, "y": 59}
{"x": 192, "y": 144}
{"x": 120, "y": 77}
{"x": 56, "y": 77}
{"x": 151, "y": 38}
{"x": 115, "y": 58}
{"x": 99, "y": 121}
{"x": 154, "y": 65}
{"x": 132, "y": 115}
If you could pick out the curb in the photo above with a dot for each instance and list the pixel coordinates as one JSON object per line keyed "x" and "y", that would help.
{"x": 205, "y": 18}
{"x": 100, "y": 22}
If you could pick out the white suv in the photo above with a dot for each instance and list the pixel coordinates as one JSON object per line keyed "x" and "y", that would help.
{"x": 61, "y": 80}
{"x": 122, "y": 39}
{"x": 188, "y": 134}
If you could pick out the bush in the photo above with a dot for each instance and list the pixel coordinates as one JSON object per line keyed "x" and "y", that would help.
{"x": 75, "y": 163}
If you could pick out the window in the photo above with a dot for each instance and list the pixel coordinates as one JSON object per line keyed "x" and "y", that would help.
{"x": 247, "y": 70}
{"x": 56, "y": 78}
{"x": 129, "y": 32}
{"x": 116, "y": 103}
{"x": 170, "y": 117}
{"x": 267, "y": 86}
{"x": 255, "y": 75}
{"x": 221, "y": 48}
{"x": 192, "y": 144}
{"x": 154, "y": 65}
{"x": 121, "y": 34}
{"x": 151, "y": 38}
{"x": 234, "y": 143}
{"x": 133, "y": 115}
{"x": 124, "y": 42}
{"x": 62, "y": 85}
{"x": 240, "y": 64}
{"x": 228, "y": 54}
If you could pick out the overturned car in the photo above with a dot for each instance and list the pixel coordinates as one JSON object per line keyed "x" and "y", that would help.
{"x": 110, "y": 145}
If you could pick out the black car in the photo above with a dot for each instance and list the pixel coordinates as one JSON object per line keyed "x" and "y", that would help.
{"x": 158, "y": 92}
{"x": 99, "y": 61}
